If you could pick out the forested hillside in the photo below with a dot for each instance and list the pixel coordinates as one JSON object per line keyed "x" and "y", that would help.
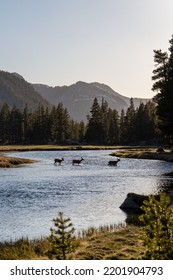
{"x": 78, "y": 98}
{"x": 15, "y": 91}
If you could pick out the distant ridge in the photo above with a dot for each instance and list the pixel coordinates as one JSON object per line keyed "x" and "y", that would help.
{"x": 15, "y": 91}
{"x": 78, "y": 98}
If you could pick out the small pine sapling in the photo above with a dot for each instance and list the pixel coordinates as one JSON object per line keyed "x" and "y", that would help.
{"x": 61, "y": 239}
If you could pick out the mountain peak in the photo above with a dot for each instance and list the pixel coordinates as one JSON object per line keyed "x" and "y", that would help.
{"x": 15, "y": 91}
{"x": 18, "y": 75}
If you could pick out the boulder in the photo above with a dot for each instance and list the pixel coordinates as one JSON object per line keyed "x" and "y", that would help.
{"x": 133, "y": 201}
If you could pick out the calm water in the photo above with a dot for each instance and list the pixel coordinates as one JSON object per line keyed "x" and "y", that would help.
{"x": 90, "y": 194}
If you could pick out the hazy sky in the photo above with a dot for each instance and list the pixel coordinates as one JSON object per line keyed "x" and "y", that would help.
{"x": 60, "y": 42}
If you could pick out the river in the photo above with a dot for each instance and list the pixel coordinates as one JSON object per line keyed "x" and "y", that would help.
{"x": 90, "y": 194}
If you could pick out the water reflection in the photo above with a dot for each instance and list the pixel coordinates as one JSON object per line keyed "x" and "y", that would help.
{"x": 165, "y": 184}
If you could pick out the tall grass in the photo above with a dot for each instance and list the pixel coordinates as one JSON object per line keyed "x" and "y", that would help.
{"x": 104, "y": 242}
{"x": 23, "y": 249}
{"x": 92, "y": 230}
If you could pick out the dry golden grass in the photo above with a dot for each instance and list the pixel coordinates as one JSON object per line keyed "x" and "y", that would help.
{"x": 144, "y": 153}
{"x": 125, "y": 243}
{"x": 11, "y": 148}
{"x": 13, "y": 162}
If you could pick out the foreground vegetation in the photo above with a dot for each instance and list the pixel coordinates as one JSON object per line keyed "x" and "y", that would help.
{"x": 124, "y": 243}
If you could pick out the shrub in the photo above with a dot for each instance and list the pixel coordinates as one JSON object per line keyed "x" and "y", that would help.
{"x": 158, "y": 228}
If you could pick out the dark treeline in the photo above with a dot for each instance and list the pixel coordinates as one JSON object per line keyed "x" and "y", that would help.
{"x": 135, "y": 126}
{"x": 104, "y": 125}
{"x": 40, "y": 127}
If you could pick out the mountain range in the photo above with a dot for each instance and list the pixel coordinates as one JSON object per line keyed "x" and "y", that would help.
{"x": 15, "y": 91}
{"x": 77, "y": 98}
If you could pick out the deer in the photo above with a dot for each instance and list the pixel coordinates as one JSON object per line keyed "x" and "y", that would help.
{"x": 58, "y": 160}
{"x": 114, "y": 162}
{"x": 77, "y": 161}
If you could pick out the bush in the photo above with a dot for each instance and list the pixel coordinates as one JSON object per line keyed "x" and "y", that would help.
{"x": 158, "y": 228}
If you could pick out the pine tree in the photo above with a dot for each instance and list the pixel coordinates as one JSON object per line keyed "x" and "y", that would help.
{"x": 37, "y": 126}
{"x": 114, "y": 127}
{"x": 82, "y": 129}
{"x": 25, "y": 125}
{"x": 163, "y": 84}
{"x": 15, "y": 126}
{"x": 5, "y": 124}
{"x": 95, "y": 133}
{"x": 52, "y": 119}
{"x": 61, "y": 238}
{"x": 146, "y": 122}
{"x": 60, "y": 124}
{"x": 130, "y": 122}
{"x": 140, "y": 123}
{"x": 158, "y": 228}
{"x": 123, "y": 128}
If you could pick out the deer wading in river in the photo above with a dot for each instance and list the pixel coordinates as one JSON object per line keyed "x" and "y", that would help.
{"x": 58, "y": 160}
{"x": 77, "y": 161}
{"x": 113, "y": 162}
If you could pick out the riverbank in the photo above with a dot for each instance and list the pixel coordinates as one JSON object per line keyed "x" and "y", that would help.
{"x": 6, "y": 161}
{"x": 124, "y": 243}
{"x": 23, "y": 148}
{"x": 144, "y": 153}
{"x": 121, "y": 151}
